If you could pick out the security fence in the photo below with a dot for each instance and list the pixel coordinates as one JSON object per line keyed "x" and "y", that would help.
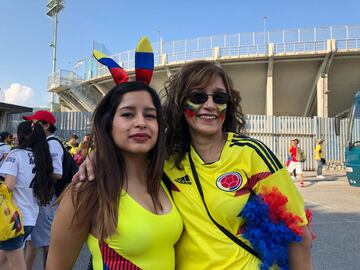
{"x": 275, "y": 131}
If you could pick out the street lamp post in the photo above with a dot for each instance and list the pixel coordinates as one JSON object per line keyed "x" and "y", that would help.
{"x": 160, "y": 41}
{"x": 264, "y": 21}
{"x": 53, "y": 8}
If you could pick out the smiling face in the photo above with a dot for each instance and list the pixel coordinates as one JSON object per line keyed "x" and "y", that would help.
{"x": 135, "y": 127}
{"x": 206, "y": 119}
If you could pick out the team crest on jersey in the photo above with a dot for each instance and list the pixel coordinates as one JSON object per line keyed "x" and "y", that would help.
{"x": 229, "y": 181}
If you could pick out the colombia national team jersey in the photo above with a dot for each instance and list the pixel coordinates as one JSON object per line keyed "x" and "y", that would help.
{"x": 245, "y": 164}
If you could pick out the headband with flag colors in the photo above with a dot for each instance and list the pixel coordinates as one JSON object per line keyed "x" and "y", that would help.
{"x": 119, "y": 75}
{"x": 144, "y": 63}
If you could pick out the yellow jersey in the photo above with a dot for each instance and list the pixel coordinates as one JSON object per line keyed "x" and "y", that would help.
{"x": 245, "y": 164}
{"x": 143, "y": 240}
{"x": 318, "y": 151}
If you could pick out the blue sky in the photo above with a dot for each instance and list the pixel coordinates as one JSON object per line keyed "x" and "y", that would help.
{"x": 25, "y": 31}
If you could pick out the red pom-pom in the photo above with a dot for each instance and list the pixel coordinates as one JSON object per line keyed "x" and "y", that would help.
{"x": 277, "y": 210}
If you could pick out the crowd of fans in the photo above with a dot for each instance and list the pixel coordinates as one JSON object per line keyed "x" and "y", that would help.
{"x": 33, "y": 192}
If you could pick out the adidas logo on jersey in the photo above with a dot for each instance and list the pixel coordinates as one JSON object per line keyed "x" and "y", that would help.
{"x": 183, "y": 180}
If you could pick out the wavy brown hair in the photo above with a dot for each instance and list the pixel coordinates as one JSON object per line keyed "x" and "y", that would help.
{"x": 194, "y": 75}
{"x": 102, "y": 196}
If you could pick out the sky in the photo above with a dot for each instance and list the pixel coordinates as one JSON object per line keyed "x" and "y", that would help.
{"x": 26, "y": 31}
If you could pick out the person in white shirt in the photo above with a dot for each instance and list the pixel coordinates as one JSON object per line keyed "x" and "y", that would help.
{"x": 28, "y": 174}
{"x": 40, "y": 236}
{"x": 5, "y": 145}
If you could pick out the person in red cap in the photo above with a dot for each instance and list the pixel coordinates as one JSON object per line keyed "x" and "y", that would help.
{"x": 45, "y": 117}
{"x": 40, "y": 236}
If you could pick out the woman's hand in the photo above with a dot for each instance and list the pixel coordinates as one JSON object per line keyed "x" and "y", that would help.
{"x": 86, "y": 169}
{"x": 300, "y": 252}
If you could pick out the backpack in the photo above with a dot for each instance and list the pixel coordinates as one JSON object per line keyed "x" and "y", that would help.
{"x": 300, "y": 156}
{"x": 69, "y": 168}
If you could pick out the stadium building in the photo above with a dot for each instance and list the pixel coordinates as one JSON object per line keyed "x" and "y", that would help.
{"x": 299, "y": 72}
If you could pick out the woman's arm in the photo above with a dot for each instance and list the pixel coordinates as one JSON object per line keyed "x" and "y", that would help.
{"x": 66, "y": 241}
{"x": 10, "y": 182}
{"x": 300, "y": 252}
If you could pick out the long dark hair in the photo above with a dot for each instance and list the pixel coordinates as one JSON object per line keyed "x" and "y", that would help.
{"x": 103, "y": 194}
{"x": 195, "y": 75}
{"x": 31, "y": 135}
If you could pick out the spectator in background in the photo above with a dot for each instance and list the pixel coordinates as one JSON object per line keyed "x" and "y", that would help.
{"x": 14, "y": 141}
{"x": 28, "y": 175}
{"x": 40, "y": 236}
{"x": 5, "y": 145}
{"x": 86, "y": 139}
{"x": 72, "y": 144}
{"x": 320, "y": 161}
{"x": 295, "y": 160}
{"x": 288, "y": 159}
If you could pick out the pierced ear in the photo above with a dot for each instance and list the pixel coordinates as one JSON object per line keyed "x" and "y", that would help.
{"x": 144, "y": 61}
{"x": 119, "y": 75}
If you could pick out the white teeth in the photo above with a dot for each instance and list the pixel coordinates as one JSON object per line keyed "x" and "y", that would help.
{"x": 207, "y": 116}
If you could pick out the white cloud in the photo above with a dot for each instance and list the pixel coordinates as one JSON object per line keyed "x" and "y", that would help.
{"x": 18, "y": 94}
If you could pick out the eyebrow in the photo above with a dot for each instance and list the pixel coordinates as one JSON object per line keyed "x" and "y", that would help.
{"x": 133, "y": 108}
{"x": 215, "y": 90}
{"x": 220, "y": 89}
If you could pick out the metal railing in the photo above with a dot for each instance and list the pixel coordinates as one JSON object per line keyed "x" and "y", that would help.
{"x": 63, "y": 78}
{"x": 244, "y": 50}
{"x": 348, "y": 44}
{"x": 298, "y": 47}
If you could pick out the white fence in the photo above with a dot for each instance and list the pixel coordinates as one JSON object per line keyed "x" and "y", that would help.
{"x": 275, "y": 132}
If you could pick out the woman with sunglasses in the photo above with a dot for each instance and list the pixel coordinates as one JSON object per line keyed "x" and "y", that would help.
{"x": 213, "y": 170}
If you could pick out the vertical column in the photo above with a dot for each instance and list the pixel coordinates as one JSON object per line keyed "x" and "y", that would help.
{"x": 269, "y": 82}
{"x": 326, "y": 96}
{"x": 322, "y": 96}
{"x": 216, "y": 53}
{"x": 269, "y": 96}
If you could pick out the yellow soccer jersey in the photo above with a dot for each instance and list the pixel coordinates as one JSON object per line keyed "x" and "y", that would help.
{"x": 244, "y": 164}
{"x": 318, "y": 152}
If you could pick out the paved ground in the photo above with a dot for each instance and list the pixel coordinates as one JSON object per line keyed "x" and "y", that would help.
{"x": 336, "y": 209}
{"x": 336, "y": 214}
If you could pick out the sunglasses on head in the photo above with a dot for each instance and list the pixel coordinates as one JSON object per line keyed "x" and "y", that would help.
{"x": 200, "y": 97}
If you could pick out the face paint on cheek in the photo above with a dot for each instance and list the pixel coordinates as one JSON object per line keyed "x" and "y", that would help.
{"x": 222, "y": 115}
{"x": 221, "y": 107}
{"x": 191, "y": 108}
{"x": 222, "y": 110}
{"x": 189, "y": 113}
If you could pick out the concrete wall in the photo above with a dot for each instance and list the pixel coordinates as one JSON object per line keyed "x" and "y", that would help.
{"x": 344, "y": 82}
{"x": 292, "y": 85}
{"x": 250, "y": 80}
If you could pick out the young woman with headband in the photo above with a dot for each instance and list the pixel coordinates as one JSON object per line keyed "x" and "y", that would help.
{"x": 126, "y": 216}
